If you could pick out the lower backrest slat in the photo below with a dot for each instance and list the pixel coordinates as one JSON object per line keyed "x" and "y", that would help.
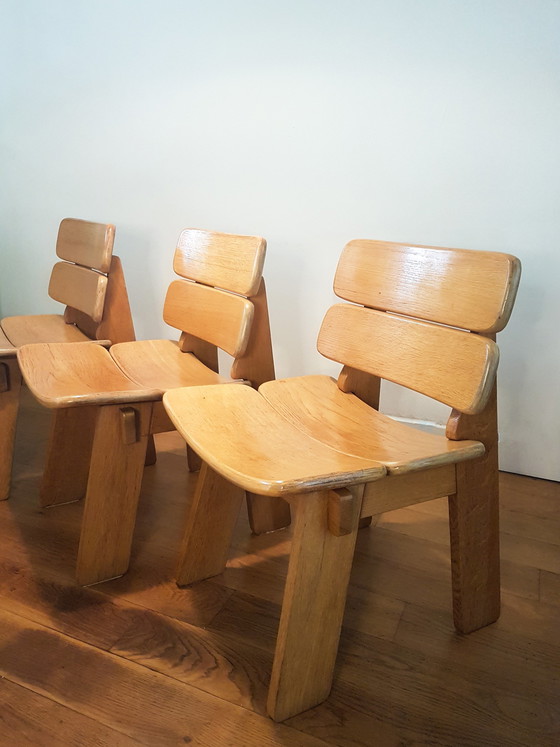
{"x": 450, "y": 365}
{"x": 80, "y": 288}
{"x": 222, "y": 319}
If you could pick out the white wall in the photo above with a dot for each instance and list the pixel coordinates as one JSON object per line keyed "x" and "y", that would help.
{"x": 310, "y": 123}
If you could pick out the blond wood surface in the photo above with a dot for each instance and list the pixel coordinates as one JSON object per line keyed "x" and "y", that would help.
{"x": 312, "y": 608}
{"x": 399, "y": 490}
{"x": 474, "y": 290}
{"x": 10, "y": 378}
{"x": 211, "y": 519}
{"x": 113, "y": 489}
{"x": 79, "y": 287}
{"x": 255, "y": 447}
{"x": 365, "y": 386}
{"x": 267, "y": 514}
{"x": 256, "y": 364}
{"x": 474, "y": 524}
{"x": 316, "y": 406}
{"x": 222, "y": 319}
{"x": 221, "y": 260}
{"x": 160, "y": 364}
{"x": 86, "y": 243}
{"x": 75, "y": 374}
{"x": 204, "y": 351}
{"x": 398, "y": 660}
{"x": 452, "y": 366}
{"x": 6, "y": 348}
{"x": 116, "y": 324}
{"x": 28, "y": 330}
{"x": 66, "y": 468}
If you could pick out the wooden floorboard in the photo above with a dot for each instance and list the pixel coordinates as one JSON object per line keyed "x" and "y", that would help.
{"x": 139, "y": 660}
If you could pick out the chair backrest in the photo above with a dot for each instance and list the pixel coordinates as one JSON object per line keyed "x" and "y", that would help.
{"x": 419, "y": 307}
{"x": 220, "y": 273}
{"x": 80, "y": 279}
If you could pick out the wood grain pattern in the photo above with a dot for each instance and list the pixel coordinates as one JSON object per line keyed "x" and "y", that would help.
{"x": 222, "y": 319}
{"x": 458, "y": 287}
{"x": 452, "y": 366}
{"x": 7, "y": 350}
{"x": 79, "y": 287}
{"x": 86, "y": 243}
{"x": 289, "y": 462}
{"x": 66, "y": 469}
{"x": 215, "y": 639}
{"x": 35, "y": 328}
{"x": 160, "y": 364}
{"x": 209, "y": 527}
{"x": 113, "y": 489}
{"x": 312, "y": 608}
{"x": 76, "y": 374}
{"x": 9, "y": 404}
{"x": 222, "y": 260}
{"x": 316, "y": 406}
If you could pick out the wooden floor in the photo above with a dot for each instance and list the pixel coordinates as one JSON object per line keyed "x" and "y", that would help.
{"x": 139, "y": 661}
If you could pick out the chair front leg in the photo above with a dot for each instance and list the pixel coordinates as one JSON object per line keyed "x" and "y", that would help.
{"x": 210, "y": 522}
{"x": 113, "y": 489}
{"x": 314, "y": 600}
{"x": 68, "y": 457}
{"x": 10, "y": 385}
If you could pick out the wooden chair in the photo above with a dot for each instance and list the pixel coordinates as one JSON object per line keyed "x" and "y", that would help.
{"x": 219, "y": 302}
{"x": 90, "y": 282}
{"x": 323, "y": 446}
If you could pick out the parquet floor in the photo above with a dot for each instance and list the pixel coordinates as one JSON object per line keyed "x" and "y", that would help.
{"x": 140, "y": 661}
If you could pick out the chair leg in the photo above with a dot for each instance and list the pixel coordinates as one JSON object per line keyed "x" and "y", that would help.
{"x": 151, "y": 454}
{"x": 475, "y": 549}
{"x": 10, "y": 385}
{"x": 115, "y": 478}
{"x": 68, "y": 456}
{"x": 267, "y": 514}
{"x": 210, "y": 523}
{"x": 194, "y": 462}
{"x": 313, "y": 607}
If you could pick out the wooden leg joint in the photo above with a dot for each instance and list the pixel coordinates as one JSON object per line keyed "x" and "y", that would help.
{"x": 4, "y": 378}
{"x": 341, "y": 516}
{"x": 130, "y": 425}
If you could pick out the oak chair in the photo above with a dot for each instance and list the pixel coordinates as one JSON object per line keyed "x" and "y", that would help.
{"x": 218, "y": 302}
{"x": 89, "y": 280}
{"x": 424, "y": 318}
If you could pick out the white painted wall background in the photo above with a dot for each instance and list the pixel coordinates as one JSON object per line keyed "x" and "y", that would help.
{"x": 309, "y": 122}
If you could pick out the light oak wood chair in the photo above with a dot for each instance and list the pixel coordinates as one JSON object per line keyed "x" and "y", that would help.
{"x": 419, "y": 316}
{"x": 89, "y": 280}
{"x": 219, "y": 302}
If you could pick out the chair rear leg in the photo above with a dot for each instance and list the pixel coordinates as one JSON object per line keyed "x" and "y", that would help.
{"x": 209, "y": 527}
{"x": 10, "y": 386}
{"x": 117, "y": 465}
{"x": 66, "y": 471}
{"x": 267, "y": 514}
{"x": 475, "y": 544}
{"x": 313, "y": 606}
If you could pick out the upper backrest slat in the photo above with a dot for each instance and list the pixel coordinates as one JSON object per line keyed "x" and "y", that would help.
{"x": 85, "y": 243}
{"x": 450, "y": 365}
{"x": 219, "y": 317}
{"x": 221, "y": 260}
{"x": 472, "y": 290}
{"x": 80, "y": 288}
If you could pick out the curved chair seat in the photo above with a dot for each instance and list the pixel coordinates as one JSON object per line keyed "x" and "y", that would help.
{"x": 316, "y": 406}
{"x": 160, "y": 364}
{"x": 72, "y": 374}
{"x": 27, "y": 330}
{"x": 256, "y": 447}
